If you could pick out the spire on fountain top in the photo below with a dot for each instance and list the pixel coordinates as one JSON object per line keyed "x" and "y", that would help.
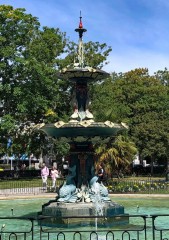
{"x": 80, "y": 55}
{"x": 80, "y": 24}
{"x": 80, "y": 29}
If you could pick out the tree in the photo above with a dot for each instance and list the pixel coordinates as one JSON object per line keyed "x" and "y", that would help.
{"x": 30, "y": 59}
{"x": 116, "y": 154}
{"x": 109, "y": 100}
{"x": 29, "y": 62}
{"x": 7, "y": 129}
{"x": 141, "y": 101}
{"x": 163, "y": 76}
{"x": 147, "y": 99}
{"x": 95, "y": 55}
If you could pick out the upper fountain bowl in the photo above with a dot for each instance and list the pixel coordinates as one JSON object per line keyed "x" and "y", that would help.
{"x": 83, "y": 74}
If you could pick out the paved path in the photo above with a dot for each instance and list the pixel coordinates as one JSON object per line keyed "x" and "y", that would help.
{"x": 53, "y": 196}
{"x": 24, "y": 193}
{"x": 29, "y": 196}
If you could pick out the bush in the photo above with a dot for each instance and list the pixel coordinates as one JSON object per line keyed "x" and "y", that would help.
{"x": 5, "y": 166}
{"x": 138, "y": 186}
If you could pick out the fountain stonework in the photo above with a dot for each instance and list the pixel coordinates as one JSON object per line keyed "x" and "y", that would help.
{"x": 81, "y": 195}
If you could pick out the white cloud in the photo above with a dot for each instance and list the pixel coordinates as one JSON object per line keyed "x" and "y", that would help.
{"x": 136, "y": 30}
{"x": 137, "y": 59}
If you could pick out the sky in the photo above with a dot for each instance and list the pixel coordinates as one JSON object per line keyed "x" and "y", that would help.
{"x": 137, "y": 30}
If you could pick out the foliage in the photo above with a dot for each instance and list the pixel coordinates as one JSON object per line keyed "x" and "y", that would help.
{"x": 95, "y": 54}
{"x": 139, "y": 186}
{"x": 141, "y": 101}
{"x": 148, "y": 101}
{"x": 29, "y": 62}
{"x": 163, "y": 76}
{"x": 31, "y": 91}
{"x": 30, "y": 88}
{"x": 109, "y": 100}
{"x": 117, "y": 154}
{"x": 61, "y": 148}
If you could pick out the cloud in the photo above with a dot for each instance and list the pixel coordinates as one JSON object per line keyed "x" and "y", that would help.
{"x": 136, "y": 30}
{"x": 135, "y": 58}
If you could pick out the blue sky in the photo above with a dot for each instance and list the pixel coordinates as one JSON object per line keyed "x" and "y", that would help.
{"x": 137, "y": 30}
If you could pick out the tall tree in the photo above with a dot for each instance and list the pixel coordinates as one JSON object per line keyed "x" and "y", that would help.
{"x": 142, "y": 102}
{"x": 29, "y": 62}
{"x": 30, "y": 59}
{"x": 147, "y": 99}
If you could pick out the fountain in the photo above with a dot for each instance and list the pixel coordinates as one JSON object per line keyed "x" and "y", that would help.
{"x": 81, "y": 194}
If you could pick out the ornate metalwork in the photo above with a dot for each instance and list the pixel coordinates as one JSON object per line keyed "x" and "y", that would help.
{"x": 142, "y": 229}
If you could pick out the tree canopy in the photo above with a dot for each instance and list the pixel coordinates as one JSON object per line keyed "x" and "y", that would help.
{"x": 142, "y": 102}
{"x": 31, "y": 56}
{"x": 31, "y": 91}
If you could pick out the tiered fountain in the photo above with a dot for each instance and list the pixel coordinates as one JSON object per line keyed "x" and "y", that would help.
{"x": 81, "y": 195}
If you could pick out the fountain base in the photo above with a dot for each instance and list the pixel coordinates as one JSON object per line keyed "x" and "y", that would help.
{"x": 82, "y": 214}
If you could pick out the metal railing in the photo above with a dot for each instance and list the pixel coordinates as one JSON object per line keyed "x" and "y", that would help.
{"x": 148, "y": 186}
{"x": 140, "y": 227}
{"x": 27, "y": 186}
{"x": 34, "y": 186}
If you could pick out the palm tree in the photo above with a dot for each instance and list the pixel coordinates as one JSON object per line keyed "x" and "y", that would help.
{"x": 116, "y": 154}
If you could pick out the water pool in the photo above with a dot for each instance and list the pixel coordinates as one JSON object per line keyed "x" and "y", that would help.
{"x": 148, "y": 205}
{"x": 133, "y": 206}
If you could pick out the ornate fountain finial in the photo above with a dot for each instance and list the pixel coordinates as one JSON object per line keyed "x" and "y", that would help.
{"x": 80, "y": 24}
{"x": 80, "y": 30}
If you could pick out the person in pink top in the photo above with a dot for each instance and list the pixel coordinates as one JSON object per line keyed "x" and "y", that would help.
{"x": 54, "y": 175}
{"x": 44, "y": 175}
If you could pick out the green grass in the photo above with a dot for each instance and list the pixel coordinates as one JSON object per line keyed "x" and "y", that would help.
{"x": 23, "y": 183}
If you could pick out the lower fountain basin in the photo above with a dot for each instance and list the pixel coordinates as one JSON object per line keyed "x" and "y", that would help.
{"x": 81, "y": 214}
